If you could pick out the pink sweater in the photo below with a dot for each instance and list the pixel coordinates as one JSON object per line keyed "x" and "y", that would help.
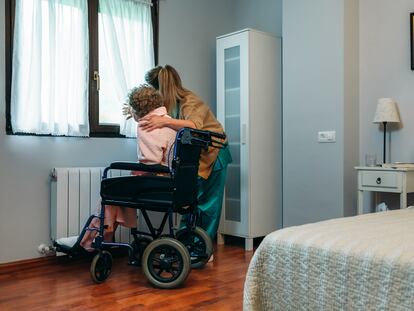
{"x": 154, "y": 146}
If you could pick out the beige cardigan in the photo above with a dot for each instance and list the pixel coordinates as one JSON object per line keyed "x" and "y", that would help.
{"x": 194, "y": 109}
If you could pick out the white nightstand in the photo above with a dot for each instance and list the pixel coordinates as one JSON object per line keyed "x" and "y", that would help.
{"x": 380, "y": 179}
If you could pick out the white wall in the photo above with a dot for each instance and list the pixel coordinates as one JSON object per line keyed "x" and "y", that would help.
{"x": 385, "y": 72}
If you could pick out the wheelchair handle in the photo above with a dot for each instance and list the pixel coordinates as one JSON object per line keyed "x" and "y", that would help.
{"x": 218, "y": 135}
{"x": 201, "y": 138}
{"x": 204, "y": 132}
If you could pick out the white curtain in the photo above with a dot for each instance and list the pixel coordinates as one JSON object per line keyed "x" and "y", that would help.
{"x": 50, "y": 68}
{"x": 125, "y": 54}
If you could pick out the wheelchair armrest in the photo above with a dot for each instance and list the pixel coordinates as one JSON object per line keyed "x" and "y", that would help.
{"x": 134, "y": 166}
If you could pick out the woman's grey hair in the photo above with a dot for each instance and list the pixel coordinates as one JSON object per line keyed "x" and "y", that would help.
{"x": 143, "y": 99}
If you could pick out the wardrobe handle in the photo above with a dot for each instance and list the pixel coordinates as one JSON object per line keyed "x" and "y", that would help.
{"x": 379, "y": 180}
{"x": 243, "y": 134}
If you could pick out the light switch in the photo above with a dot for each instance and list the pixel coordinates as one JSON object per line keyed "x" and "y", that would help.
{"x": 327, "y": 136}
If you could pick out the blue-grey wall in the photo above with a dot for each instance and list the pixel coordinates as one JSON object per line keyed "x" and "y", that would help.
{"x": 264, "y": 15}
{"x": 25, "y": 165}
{"x": 188, "y": 31}
{"x": 187, "y": 40}
{"x": 315, "y": 98}
{"x": 385, "y": 72}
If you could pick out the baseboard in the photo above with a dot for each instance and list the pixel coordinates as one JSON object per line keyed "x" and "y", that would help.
{"x": 25, "y": 264}
{"x": 28, "y": 263}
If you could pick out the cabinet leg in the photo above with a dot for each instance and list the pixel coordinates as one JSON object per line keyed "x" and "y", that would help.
{"x": 220, "y": 238}
{"x": 248, "y": 244}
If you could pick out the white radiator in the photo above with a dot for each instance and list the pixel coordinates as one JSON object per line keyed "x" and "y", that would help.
{"x": 74, "y": 197}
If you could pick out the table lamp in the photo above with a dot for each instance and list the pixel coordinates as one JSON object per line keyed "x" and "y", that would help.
{"x": 387, "y": 111}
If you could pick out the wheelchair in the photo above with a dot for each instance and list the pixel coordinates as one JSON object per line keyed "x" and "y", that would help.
{"x": 166, "y": 259}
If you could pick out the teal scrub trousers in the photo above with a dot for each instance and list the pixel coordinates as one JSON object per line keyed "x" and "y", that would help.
{"x": 210, "y": 195}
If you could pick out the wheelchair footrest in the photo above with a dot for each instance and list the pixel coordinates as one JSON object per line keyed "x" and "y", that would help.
{"x": 69, "y": 246}
{"x": 68, "y": 242}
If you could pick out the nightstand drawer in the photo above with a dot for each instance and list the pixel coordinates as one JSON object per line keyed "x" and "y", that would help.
{"x": 381, "y": 179}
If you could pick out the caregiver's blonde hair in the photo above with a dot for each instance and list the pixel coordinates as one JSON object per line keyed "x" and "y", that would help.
{"x": 167, "y": 80}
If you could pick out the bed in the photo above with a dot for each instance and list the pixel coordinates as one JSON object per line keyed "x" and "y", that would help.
{"x": 364, "y": 262}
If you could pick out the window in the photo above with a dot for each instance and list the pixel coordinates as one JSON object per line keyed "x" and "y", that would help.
{"x": 70, "y": 64}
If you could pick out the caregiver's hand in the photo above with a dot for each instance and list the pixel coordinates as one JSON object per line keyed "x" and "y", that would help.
{"x": 153, "y": 122}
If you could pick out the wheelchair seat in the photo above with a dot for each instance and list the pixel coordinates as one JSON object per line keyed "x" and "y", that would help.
{"x": 169, "y": 187}
{"x": 153, "y": 193}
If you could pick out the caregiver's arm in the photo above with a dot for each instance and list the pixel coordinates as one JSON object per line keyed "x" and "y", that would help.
{"x": 153, "y": 122}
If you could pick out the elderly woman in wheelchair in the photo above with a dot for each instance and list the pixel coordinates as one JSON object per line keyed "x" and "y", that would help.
{"x": 168, "y": 189}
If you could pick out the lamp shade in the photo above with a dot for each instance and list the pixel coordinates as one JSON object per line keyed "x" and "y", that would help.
{"x": 387, "y": 111}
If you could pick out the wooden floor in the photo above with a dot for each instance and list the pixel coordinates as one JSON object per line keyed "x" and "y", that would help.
{"x": 66, "y": 285}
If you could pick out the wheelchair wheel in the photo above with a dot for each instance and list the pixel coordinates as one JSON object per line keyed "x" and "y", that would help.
{"x": 198, "y": 243}
{"x": 139, "y": 245}
{"x": 166, "y": 263}
{"x": 101, "y": 266}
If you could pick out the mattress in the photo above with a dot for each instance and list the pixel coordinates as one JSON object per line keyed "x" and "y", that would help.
{"x": 363, "y": 262}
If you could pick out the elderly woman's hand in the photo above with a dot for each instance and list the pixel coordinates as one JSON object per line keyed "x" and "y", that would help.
{"x": 127, "y": 111}
{"x": 153, "y": 122}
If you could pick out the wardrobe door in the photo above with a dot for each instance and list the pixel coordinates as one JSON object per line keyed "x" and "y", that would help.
{"x": 248, "y": 105}
{"x": 232, "y": 113}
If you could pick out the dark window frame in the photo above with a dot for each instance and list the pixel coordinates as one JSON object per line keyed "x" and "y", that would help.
{"x": 412, "y": 39}
{"x": 96, "y": 129}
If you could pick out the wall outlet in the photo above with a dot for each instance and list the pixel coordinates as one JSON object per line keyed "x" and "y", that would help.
{"x": 327, "y": 136}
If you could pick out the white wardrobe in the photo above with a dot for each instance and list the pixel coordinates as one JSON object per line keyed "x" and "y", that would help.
{"x": 249, "y": 107}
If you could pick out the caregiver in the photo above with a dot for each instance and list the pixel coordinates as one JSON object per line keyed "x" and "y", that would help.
{"x": 188, "y": 110}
